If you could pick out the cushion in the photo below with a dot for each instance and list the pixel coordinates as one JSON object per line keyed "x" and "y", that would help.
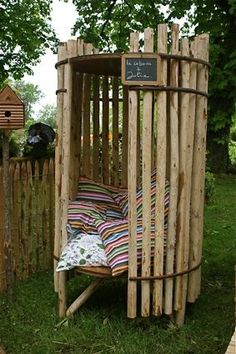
{"x": 114, "y": 235}
{"x": 82, "y": 250}
{"x": 92, "y": 191}
{"x": 82, "y": 215}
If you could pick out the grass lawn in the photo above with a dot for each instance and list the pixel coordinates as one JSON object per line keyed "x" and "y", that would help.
{"x": 30, "y": 324}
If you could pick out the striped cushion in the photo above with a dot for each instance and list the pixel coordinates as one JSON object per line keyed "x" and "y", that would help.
{"x": 115, "y": 238}
{"x": 93, "y": 191}
{"x": 122, "y": 200}
{"x": 83, "y": 214}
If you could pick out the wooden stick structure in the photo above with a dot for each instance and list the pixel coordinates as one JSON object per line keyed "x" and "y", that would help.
{"x": 133, "y": 134}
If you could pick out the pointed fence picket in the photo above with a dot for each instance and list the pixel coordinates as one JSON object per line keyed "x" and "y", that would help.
{"x": 32, "y": 217}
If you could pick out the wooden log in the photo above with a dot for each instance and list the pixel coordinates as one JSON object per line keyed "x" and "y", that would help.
{"x": 198, "y": 173}
{"x": 86, "y": 163}
{"x": 24, "y": 233}
{"x": 30, "y": 217}
{"x": 146, "y": 186}
{"x": 125, "y": 125}
{"x": 182, "y": 241}
{"x": 37, "y": 196}
{"x": 96, "y": 130}
{"x": 105, "y": 130}
{"x": 16, "y": 239}
{"x": 132, "y": 213}
{"x": 66, "y": 131}
{"x": 58, "y": 162}
{"x": 51, "y": 211}
{"x": 160, "y": 177}
{"x": 44, "y": 216}
{"x": 2, "y": 258}
{"x": 7, "y": 214}
{"x": 115, "y": 132}
{"x": 130, "y": 151}
{"x": 172, "y": 172}
{"x": 86, "y": 294}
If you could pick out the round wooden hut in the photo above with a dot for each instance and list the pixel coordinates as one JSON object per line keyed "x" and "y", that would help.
{"x": 134, "y": 126}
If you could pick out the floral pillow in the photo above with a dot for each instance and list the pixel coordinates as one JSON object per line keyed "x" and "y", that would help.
{"x": 82, "y": 250}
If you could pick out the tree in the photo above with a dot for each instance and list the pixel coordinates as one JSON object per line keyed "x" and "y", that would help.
{"x": 25, "y": 34}
{"x": 47, "y": 115}
{"x": 107, "y": 24}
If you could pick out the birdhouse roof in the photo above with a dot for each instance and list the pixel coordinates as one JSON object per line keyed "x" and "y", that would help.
{"x": 9, "y": 97}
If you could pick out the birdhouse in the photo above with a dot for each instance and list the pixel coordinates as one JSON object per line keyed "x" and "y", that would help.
{"x": 11, "y": 110}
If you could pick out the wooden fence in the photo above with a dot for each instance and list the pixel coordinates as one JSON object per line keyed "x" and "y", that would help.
{"x": 32, "y": 217}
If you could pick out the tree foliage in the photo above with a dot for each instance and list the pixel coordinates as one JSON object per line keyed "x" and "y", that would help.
{"x": 25, "y": 34}
{"x": 107, "y": 24}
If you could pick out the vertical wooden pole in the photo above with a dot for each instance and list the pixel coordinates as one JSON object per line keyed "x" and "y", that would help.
{"x": 58, "y": 162}
{"x": 96, "y": 130}
{"x": 173, "y": 172}
{"x": 115, "y": 132}
{"x": 198, "y": 174}
{"x": 24, "y": 253}
{"x": 105, "y": 130}
{"x": 146, "y": 186}
{"x": 7, "y": 215}
{"x": 182, "y": 244}
{"x": 125, "y": 128}
{"x": 16, "y": 194}
{"x": 37, "y": 208}
{"x": 132, "y": 186}
{"x": 2, "y": 256}
{"x": 51, "y": 203}
{"x": 30, "y": 216}
{"x": 160, "y": 176}
{"x": 44, "y": 215}
{"x": 86, "y": 126}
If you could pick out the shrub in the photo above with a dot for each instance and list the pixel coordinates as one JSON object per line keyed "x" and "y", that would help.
{"x": 210, "y": 188}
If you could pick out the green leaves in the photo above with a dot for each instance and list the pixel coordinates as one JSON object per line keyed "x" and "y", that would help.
{"x": 25, "y": 34}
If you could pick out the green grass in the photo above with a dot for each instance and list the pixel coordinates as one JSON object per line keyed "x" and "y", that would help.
{"x": 30, "y": 324}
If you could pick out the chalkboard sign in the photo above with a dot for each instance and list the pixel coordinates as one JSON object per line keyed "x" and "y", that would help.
{"x": 139, "y": 69}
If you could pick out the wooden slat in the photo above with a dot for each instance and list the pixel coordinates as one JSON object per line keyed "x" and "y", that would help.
{"x": 30, "y": 216}
{"x": 182, "y": 242}
{"x": 115, "y": 132}
{"x": 16, "y": 196}
{"x": 37, "y": 194}
{"x": 96, "y": 130}
{"x": 146, "y": 186}
{"x": 198, "y": 175}
{"x": 86, "y": 163}
{"x": 160, "y": 176}
{"x": 58, "y": 162}
{"x": 44, "y": 214}
{"x": 51, "y": 211}
{"x": 173, "y": 172}
{"x": 132, "y": 215}
{"x": 24, "y": 233}
{"x": 132, "y": 183}
{"x": 105, "y": 130}
{"x": 2, "y": 259}
{"x": 125, "y": 137}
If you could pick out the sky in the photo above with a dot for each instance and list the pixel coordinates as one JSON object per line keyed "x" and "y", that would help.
{"x": 45, "y": 75}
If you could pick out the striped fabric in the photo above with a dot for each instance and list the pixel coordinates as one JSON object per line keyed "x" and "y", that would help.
{"x": 115, "y": 239}
{"x": 83, "y": 214}
{"x": 122, "y": 200}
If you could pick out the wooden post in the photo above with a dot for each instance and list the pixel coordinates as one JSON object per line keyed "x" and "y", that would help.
{"x": 96, "y": 142}
{"x": 125, "y": 128}
{"x": 173, "y": 172}
{"x": 7, "y": 215}
{"x": 182, "y": 244}
{"x": 146, "y": 186}
{"x": 132, "y": 183}
{"x": 160, "y": 177}
{"x": 105, "y": 130}
{"x": 115, "y": 132}
{"x": 198, "y": 175}
{"x": 2, "y": 256}
{"x": 58, "y": 162}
